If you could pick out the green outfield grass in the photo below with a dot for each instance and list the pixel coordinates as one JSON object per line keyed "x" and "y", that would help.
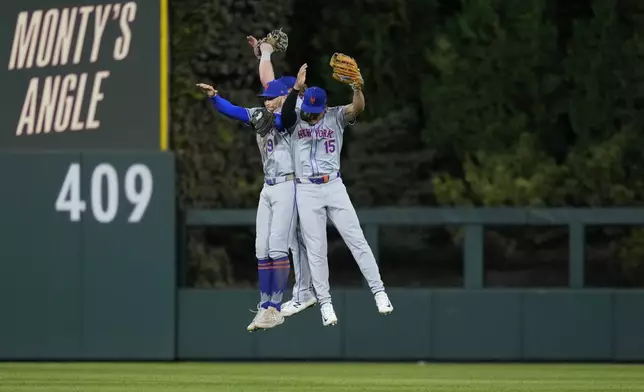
{"x": 312, "y": 377}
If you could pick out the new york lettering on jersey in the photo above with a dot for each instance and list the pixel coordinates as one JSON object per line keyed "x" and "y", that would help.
{"x": 319, "y": 145}
{"x": 275, "y": 149}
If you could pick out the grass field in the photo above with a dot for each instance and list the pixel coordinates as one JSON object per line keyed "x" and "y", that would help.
{"x": 312, "y": 377}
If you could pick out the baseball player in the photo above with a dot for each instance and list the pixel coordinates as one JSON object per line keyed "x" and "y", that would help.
{"x": 317, "y": 135}
{"x": 303, "y": 296}
{"x": 276, "y": 212}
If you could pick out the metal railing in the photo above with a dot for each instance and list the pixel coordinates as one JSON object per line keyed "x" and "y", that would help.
{"x": 472, "y": 219}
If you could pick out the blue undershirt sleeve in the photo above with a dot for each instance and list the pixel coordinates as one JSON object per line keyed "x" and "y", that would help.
{"x": 278, "y": 123}
{"x": 229, "y": 110}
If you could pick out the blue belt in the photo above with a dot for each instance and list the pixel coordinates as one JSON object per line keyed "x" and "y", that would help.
{"x": 319, "y": 179}
{"x": 278, "y": 180}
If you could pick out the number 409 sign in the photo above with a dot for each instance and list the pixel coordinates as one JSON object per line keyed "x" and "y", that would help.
{"x": 137, "y": 184}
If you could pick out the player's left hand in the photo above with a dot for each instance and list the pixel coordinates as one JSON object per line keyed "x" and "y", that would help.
{"x": 265, "y": 48}
{"x": 345, "y": 70}
{"x": 301, "y": 78}
{"x": 208, "y": 89}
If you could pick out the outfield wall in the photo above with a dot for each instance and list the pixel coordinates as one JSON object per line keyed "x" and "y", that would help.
{"x": 452, "y": 325}
{"x": 87, "y": 257}
{"x": 510, "y": 325}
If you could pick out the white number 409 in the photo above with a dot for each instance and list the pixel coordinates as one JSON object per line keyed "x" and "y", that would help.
{"x": 69, "y": 197}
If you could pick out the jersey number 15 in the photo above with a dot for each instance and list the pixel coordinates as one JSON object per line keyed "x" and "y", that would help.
{"x": 329, "y": 146}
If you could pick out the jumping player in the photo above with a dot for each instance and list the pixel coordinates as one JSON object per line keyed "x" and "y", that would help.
{"x": 303, "y": 296}
{"x": 276, "y": 212}
{"x": 317, "y": 135}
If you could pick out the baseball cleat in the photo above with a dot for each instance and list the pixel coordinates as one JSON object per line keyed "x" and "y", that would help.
{"x": 328, "y": 314}
{"x": 269, "y": 319}
{"x": 383, "y": 303}
{"x": 294, "y": 307}
{"x": 253, "y": 324}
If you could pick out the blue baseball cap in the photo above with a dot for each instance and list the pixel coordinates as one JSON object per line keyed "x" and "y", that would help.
{"x": 289, "y": 81}
{"x": 314, "y": 100}
{"x": 274, "y": 89}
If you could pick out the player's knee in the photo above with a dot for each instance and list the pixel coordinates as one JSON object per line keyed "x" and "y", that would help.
{"x": 316, "y": 256}
{"x": 300, "y": 255}
{"x": 261, "y": 252}
{"x": 261, "y": 246}
{"x": 277, "y": 254}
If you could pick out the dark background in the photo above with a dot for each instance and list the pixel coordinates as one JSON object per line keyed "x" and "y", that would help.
{"x": 469, "y": 103}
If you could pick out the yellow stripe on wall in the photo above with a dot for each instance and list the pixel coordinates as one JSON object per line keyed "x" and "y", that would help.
{"x": 163, "y": 123}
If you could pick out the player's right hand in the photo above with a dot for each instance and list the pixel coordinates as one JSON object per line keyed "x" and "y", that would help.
{"x": 252, "y": 41}
{"x": 301, "y": 78}
{"x": 208, "y": 89}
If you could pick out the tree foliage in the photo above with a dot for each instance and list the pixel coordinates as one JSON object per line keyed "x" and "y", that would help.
{"x": 469, "y": 102}
{"x": 534, "y": 127}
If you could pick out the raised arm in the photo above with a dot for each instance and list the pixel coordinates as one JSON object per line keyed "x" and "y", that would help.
{"x": 289, "y": 116}
{"x": 229, "y": 110}
{"x": 263, "y": 53}
{"x": 223, "y": 106}
{"x": 266, "y": 72}
{"x": 352, "y": 110}
{"x": 345, "y": 70}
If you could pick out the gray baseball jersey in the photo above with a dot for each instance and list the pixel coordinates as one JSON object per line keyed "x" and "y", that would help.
{"x": 275, "y": 149}
{"x": 316, "y": 150}
{"x": 317, "y": 147}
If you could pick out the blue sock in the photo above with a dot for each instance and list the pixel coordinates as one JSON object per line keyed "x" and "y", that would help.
{"x": 265, "y": 271}
{"x": 281, "y": 269}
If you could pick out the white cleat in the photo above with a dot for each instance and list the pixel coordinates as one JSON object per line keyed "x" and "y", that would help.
{"x": 294, "y": 307}
{"x": 269, "y": 319}
{"x": 383, "y": 303}
{"x": 328, "y": 314}
{"x": 253, "y": 324}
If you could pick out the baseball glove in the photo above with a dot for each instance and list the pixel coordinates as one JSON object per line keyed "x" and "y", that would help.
{"x": 276, "y": 38}
{"x": 262, "y": 121}
{"x": 345, "y": 70}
